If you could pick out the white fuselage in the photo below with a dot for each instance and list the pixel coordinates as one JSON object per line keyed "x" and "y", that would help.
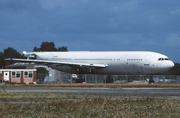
{"x": 118, "y": 62}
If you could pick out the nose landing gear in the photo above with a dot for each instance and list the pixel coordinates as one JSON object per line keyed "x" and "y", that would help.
{"x": 151, "y": 81}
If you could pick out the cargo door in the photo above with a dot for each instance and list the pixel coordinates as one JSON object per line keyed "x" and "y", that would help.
{"x": 139, "y": 67}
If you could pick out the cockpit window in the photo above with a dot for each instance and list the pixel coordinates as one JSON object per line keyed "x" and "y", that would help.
{"x": 161, "y": 59}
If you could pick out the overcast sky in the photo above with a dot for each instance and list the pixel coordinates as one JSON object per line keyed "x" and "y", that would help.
{"x": 92, "y": 25}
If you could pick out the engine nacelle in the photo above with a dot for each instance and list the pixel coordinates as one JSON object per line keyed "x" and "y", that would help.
{"x": 29, "y": 55}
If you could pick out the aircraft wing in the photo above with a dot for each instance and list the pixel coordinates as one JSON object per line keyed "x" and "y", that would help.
{"x": 59, "y": 63}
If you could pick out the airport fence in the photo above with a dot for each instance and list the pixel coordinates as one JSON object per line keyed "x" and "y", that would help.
{"x": 117, "y": 79}
{"x": 132, "y": 79}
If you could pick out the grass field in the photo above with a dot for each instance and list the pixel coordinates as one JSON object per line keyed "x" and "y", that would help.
{"x": 49, "y": 105}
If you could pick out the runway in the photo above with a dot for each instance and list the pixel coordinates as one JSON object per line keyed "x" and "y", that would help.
{"x": 153, "y": 92}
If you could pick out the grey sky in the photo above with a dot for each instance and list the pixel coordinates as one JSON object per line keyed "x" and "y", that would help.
{"x": 92, "y": 25}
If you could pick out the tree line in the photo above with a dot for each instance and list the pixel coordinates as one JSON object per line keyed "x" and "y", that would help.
{"x": 50, "y": 46}
{"x": 13, "y": 53}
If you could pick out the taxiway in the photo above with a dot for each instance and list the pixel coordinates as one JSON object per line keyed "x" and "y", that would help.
{"x": 153, "y": 92}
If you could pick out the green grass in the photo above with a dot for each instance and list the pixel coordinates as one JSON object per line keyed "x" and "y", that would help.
{"x": 49, "y": 105}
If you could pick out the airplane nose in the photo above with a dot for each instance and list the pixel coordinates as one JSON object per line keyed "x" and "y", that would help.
{"x": 165, "y": 66}
{"x": 170, "y": 64}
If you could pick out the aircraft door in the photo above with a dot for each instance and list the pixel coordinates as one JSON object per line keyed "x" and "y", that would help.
{"x": 73, "y": 58}
{"x": 146, "y": 65}
{"x": 124, "y": 64}
{"x": 146, "y": 61}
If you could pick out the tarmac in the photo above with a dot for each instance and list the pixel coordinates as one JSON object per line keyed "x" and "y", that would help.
{"x": 151, "y": 92}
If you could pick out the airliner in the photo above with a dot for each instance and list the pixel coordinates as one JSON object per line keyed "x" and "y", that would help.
{"x": 101, "y": 62}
